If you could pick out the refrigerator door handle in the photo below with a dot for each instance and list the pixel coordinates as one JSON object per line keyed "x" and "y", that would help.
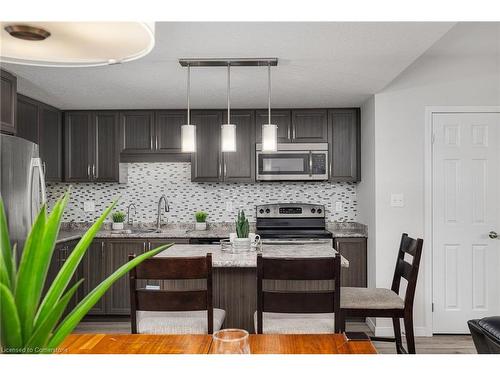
{"x": 37, "y": 163}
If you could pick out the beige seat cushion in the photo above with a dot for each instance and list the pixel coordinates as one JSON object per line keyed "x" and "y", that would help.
{"x": 369, "y": 298}
{"x": 177, "y": 322}
{"x": 296, "y": 323}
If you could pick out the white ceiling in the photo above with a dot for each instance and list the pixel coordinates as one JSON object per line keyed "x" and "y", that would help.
{"x": 330, "y": 64}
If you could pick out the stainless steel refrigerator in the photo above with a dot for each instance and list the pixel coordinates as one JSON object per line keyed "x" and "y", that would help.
{"x": 22, "y": 185}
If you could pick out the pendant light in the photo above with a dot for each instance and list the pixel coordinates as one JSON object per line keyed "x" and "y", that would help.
{"x": 269, "y": 131}
{"x": 188, "y": 131}
{"x": 228, "y": 130}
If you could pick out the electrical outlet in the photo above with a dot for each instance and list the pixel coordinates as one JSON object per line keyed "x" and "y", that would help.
{"x": 89, "y": 206}
{"x": 397, "y": 200}
{"x": 339, "y": 206}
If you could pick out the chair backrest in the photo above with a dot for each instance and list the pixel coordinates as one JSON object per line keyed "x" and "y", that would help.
{"x": 408, "y": 271}
{"x": 172, "y": 300}
{"x": 323, "y": 301}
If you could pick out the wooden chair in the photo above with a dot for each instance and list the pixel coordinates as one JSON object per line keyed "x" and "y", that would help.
{"x": 298, "y": 311}
{"x": 156, "y": 311}
{"x": 386, "y": 303}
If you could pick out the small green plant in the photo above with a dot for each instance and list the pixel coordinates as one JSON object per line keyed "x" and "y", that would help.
{"x": 30, "y": 321}
{"x": 201, "y": 216}
{"x": 242, "y": 226}
{"x": 118, "y": 216}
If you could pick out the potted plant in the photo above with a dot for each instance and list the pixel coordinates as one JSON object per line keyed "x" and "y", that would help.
{"x": 242, "y": 242}
{"x": 201, "y": 223}
{"x": 31, "y": 322}
{"x": 118, "y": 220}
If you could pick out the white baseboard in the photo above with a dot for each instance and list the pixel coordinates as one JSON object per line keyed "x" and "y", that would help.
{"x": 389, "y": 331}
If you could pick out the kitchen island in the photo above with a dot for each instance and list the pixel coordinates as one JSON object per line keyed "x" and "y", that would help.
{"x": 225, "y": 259}
{"x": 235, "y": 276}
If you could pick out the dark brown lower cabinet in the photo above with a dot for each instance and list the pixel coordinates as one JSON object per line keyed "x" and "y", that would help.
{"x": 354, "y": 250}
{"x": 61, "y": 253}
{"x": 94, "y": 272}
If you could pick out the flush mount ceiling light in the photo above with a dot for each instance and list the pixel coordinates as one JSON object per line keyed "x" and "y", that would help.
{"x": 188, "y": 131}
{"x": 228, "y": 131}
{"x": 269, "y": 131}
{"x": 75, "y": 44}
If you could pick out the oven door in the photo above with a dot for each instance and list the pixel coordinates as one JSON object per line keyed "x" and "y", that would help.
{"x": 292, "y": 165}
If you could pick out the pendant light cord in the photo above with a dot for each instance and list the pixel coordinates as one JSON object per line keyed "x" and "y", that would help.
{"x": 228, "y": 94}
{"x": 269, "y": 93}
{"x": 189, "y": 95}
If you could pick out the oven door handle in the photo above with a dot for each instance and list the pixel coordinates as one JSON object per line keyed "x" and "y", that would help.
{"x": 310, "y": 163}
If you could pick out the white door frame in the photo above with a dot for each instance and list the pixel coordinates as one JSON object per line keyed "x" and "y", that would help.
{"x": 428, "y": 184}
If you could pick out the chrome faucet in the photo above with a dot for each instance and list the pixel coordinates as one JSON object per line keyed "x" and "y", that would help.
{"x": 129, "y": 220}
{"x": 167, "y": 209}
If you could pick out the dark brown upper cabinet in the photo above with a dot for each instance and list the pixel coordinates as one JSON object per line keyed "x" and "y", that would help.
{"x": 8, "y": 102}
{"x": 206, "y": 162}
{"x": 41, "y": 123}
{"x": 280, "y": 117}
{"x": 309, "y": 125}
{"x": 168, "y": 130}
{"x": 91, "y": 146}
{"x": 239, "y": 166}
{"x": 50, "y": 137}
{"x": 138, "y": 132}
{"x": 28, "y": 119}
{"x": 345, "y": 144}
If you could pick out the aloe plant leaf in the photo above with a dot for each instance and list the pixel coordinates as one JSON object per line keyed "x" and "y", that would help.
{"x": 7, "y": 265}
{"x": 10, "y": 325}
{"x": 32, "y": 273}
{"x": 69, "y": 267}
{"x": 24, "y": 294}
{"x": 42, "y": 334}
{"x": 91, "y": 299}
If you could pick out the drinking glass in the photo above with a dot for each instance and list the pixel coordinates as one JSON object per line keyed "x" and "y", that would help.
{"x": 230, "y": 341}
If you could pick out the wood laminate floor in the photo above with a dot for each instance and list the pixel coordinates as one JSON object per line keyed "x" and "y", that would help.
{"x": 438, "y": 344}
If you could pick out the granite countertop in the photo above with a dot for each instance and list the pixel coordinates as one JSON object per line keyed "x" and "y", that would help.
{"x": 215, "y": 230}
{"x": 249, "y": 260}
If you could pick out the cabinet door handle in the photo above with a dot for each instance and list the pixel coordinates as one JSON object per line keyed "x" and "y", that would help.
{"x": 102, "y": 249}
{"x": 151, "y": 142}
{"x": 88, "y": 171}
{"x": 225, "y": 170}
{"x": 220, "y": 169}
{"x": 44, "y": 169}
{"x": 293, "y": 132}
{"x": 157, "y": 142}
{"x": 149, "y": 246}
{"x": 329, "y": 169}
{"x": 144, "y": 247}
{"x": 93, "y": 171}
{"x": 289, "y": 131}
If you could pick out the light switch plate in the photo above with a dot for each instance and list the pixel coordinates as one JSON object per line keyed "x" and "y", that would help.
{"x": 397, "y": 200}
{"x": 338, "y": 206}
{"x": 229, "y": 206}
{"x": 89, "y": 206}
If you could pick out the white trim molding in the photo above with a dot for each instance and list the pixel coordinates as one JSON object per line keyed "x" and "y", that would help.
{"x": 427, "y": 330}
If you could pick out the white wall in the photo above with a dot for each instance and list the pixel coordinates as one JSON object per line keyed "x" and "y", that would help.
{"x": 462, "y": 68}
{"x": 366, "y": 188}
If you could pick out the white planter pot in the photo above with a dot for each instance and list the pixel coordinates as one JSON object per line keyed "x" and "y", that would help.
{"x": 241, "y": 245}
{"x": 200, "y": 226}
{"x": 117, "y": 226}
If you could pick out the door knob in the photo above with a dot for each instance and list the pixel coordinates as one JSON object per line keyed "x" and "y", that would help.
{"x": 493, "y": 235}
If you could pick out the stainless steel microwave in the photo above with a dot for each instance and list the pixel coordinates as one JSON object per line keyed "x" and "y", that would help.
{"x": 293, "y": 162}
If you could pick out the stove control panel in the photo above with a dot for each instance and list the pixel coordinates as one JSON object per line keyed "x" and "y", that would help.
{"x": 288, "y": 210}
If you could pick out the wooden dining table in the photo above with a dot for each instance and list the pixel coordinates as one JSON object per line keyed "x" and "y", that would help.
{"x": 201, "y": 344}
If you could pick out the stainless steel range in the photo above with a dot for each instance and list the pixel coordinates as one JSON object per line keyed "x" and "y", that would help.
{"x": 292, "y": 222}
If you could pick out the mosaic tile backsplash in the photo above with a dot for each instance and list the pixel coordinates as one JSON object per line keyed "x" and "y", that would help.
{"x": 148, "y": 181}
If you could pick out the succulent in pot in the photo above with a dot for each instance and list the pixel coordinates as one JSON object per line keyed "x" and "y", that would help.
{"x": 201, "y": 220}
{"x": 242, "y": 242}
{"x": 32, "y": 321}
{"x": 118, "y": 220}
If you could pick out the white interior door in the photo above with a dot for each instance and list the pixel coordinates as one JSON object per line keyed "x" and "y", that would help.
{"x": 466, "y": 207}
